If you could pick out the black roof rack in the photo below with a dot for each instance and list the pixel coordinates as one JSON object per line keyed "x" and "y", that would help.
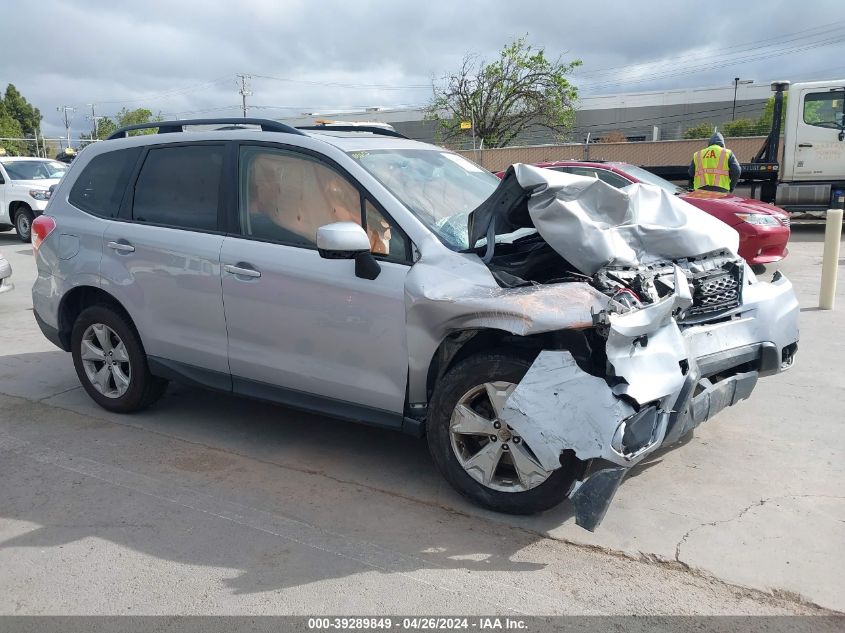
{"x": 166, "y": 127}
{"x": 372, "y": 129}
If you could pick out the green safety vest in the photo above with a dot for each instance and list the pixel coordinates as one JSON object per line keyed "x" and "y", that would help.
{"x": 711, "y": 168}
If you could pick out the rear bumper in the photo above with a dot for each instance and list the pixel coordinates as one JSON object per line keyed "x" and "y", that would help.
{"x": 51, "y": 333}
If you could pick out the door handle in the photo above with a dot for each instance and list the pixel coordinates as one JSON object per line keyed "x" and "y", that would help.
{"x": 241, "y": 271}
{"x": 121, "y": 247}
{"x": 805, "y": 144}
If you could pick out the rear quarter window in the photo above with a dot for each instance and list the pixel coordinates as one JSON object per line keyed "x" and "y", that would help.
{"x": 100, "y": 187}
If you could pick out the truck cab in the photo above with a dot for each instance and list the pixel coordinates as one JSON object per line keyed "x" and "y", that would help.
{"x": 812, "y": 174}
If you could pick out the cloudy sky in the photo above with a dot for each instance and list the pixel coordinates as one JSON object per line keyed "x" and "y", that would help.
{"x": 181, "y": 58}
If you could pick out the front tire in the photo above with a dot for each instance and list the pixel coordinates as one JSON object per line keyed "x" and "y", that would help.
{"x": 23, "y": 223}
{"x": 110, "y": 361}
{"x": 501, "y": 474}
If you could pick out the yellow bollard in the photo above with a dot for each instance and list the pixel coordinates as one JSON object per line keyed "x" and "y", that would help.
{"x": 830, "y": 259}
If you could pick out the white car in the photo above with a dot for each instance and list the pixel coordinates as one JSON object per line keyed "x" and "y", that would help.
{"x": 25, "y": 189}
{"x": 5, "y": 274}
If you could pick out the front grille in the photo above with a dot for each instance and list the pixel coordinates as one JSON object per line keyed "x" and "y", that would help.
{"x": 715, "y": 291}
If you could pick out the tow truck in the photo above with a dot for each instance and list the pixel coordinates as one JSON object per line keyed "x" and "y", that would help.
{"x": 811, "y": 178}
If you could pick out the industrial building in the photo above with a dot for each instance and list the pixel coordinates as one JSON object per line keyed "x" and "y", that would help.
{"x": 636, "y": 116}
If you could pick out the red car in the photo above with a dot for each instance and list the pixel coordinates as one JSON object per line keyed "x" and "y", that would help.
{"x": 763, "y": 228}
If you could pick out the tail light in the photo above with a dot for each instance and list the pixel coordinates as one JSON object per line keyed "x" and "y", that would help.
{"x": 42, "y": 226}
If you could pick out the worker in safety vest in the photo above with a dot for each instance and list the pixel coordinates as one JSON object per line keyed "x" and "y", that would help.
{"x": 714, "y": 168}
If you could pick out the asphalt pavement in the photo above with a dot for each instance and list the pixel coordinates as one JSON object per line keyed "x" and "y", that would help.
{"x": 208, "y": 503}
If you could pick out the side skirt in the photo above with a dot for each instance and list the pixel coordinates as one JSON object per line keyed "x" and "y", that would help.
{"x": 311, "y": 403}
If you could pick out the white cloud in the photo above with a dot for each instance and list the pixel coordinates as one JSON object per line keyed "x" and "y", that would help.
{"x": 166, "y": 55}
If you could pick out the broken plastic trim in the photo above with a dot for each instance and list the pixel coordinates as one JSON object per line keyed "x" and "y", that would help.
{"x": 591, "y": 497}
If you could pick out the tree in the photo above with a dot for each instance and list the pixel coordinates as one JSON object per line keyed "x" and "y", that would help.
{"x": 18, "y": 118}
{"x": 106, "y": 126}
{"x": 134, "y": 117}
{"x": 744, "y": 127}
{"x": 10, "y": 128}
{"x": 768, "y": 113}
{"x": 520, "y": 89}
{"x": 28, "y": 116}
{"x": 702, "y": 130}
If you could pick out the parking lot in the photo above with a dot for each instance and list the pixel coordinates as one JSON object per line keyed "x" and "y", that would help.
{"x": 214, "y": 504}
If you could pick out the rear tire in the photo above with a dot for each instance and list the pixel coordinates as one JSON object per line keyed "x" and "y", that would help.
{"x": 23, "y": 223}
{"x": 111, "y": 363}
{"x": 509, "y": 490}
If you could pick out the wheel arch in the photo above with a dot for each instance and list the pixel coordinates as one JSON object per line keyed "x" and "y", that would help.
{"x": 14, "y": 205}
{"x": 79, "y": 298}
{"x": 461, "y": 344}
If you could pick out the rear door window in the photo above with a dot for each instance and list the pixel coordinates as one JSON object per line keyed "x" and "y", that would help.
{"x": 100, "y": 187}
{"x": 180, "y": 187}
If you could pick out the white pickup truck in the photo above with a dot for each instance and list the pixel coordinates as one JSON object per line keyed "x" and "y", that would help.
{"x": 25, "y": 189}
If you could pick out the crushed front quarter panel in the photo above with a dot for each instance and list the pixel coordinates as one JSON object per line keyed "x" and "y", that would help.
{"x": 447, "y": 292}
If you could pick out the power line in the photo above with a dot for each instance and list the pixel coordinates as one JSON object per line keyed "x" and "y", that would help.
{"x": 167, "y": 94}
{"x": 711, "y": 66}
{"x": 719, "y": 52}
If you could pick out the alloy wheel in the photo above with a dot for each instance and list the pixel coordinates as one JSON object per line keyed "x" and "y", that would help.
{"x": 490, "y": 451}
{"x": 105, "y": 360}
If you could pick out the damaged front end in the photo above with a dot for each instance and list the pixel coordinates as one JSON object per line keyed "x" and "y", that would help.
{"x": 686, "y": 326}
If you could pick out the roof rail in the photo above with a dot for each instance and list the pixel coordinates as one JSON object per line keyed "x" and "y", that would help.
{"x": 165, "y": 127}
{"x": 372, "y": 129}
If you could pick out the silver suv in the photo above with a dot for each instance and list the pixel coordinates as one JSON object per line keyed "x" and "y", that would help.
{"x": 545, "y": 332}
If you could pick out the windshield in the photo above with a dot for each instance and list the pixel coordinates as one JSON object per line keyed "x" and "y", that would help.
{"x": 35, "y": 169}
{"x": 650, "y": 179}
{"x": 439, "y": 187}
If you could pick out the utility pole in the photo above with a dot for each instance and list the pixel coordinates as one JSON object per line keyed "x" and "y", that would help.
{"x": 244, "y": 90}
{"x": 94, "y": 118}
{"x": 67, "y": 112}
{"x": 738, "y": 81}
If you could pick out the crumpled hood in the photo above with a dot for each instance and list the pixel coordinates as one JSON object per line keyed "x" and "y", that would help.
{"x": 593, "y": 225}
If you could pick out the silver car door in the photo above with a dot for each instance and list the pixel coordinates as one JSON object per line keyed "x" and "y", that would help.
{"x": 300, "y": 322}
{"x": 162, "y": 261}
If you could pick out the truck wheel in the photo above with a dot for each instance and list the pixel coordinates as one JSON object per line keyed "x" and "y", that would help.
{"x": 111, "y": 363}
{"x": 481, "y": 456}
{"x": 23, "y": 223}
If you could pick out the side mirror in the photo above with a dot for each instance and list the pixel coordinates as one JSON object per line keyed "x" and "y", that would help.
{"x": 347, "y": 240}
